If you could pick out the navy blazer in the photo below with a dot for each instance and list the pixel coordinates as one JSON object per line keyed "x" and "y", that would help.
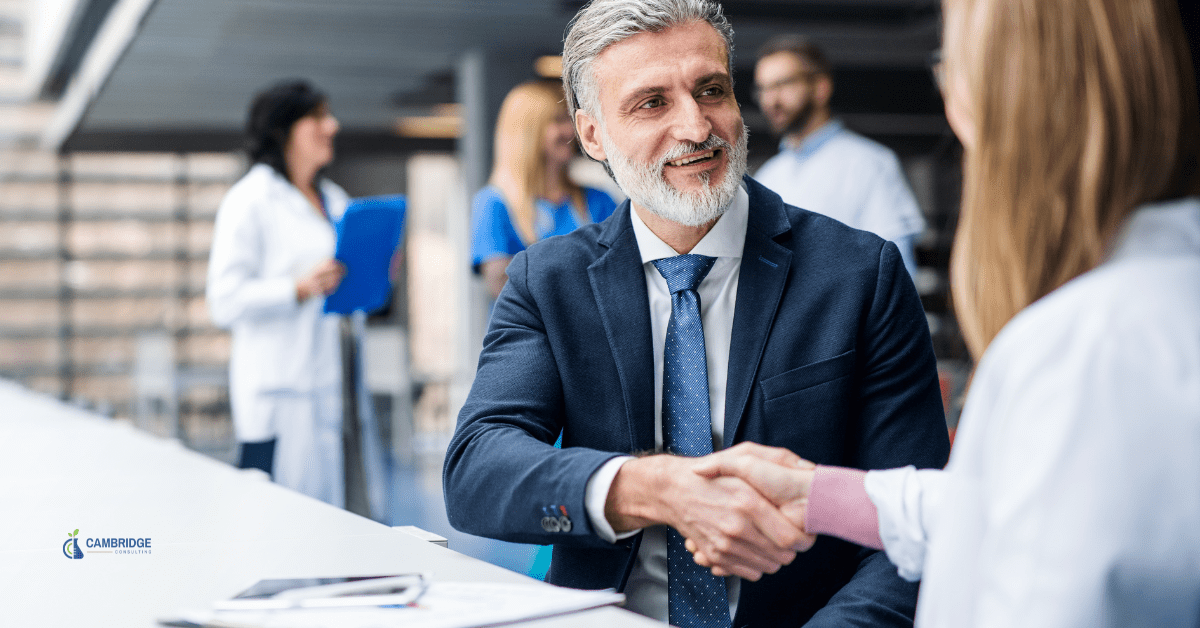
{"x": 830, "y": 357}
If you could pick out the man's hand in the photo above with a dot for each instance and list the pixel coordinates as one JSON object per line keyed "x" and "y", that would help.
{"x": 723, "y": 518}
{"x": 778, "y": 474}
{"x": 322, "y": 280}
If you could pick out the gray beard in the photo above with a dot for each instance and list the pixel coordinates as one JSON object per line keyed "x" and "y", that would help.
{"x": 648, "y": 188}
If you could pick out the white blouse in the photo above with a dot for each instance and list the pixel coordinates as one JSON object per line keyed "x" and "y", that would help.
{"x": 1072, "y": 496}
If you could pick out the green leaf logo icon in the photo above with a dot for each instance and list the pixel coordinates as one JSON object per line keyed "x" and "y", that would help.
{"x": 76, "y": 532}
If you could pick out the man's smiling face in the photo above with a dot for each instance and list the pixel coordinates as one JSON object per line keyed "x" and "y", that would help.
{"x": 669, "y": 117}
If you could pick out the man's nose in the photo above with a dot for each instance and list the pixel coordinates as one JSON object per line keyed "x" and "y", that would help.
{"x": 768, "y": 99}
{"x": 691, "y": 124}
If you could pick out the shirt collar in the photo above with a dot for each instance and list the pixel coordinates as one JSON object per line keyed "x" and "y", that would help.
{"x": 1160, "y": 229}
{"x": 811, "y": 144}
{"x": 727, "y": 238}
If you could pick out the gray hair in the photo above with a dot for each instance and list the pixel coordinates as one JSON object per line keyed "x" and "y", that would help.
{"x": 602, "y": 23}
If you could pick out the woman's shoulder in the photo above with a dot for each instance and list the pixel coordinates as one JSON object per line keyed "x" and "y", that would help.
{"x": 1107, "y": 355}
{"x": 328, "y": 187}
{"x": 257, "y": 179}
{"x": 599, "y": 204}
{"x": 488, "y": 208}
{"x": 1132, "y": 297}
{"x": 489, "y": 196}
{"x": 1132, "y": 322}
{"x": 1147, "y": 286}
{"x": 254, "y": 188}
{"x": 595, "y": 193}
{"x": 335, "y": 196}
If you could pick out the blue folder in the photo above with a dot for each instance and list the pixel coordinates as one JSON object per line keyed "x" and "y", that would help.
{"x": 367, "y": 235}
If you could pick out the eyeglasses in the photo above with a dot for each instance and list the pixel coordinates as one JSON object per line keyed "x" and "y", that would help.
{"x": 796, "y": 79}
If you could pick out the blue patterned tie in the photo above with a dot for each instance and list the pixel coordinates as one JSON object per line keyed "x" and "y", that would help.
{"x": 695, "y": 597}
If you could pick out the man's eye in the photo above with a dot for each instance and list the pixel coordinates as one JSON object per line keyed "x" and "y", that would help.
{"x": 713, "y": 90}
{"x": 653, "y": 103}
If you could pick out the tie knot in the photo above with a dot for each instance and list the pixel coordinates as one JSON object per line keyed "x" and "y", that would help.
{"x": 684, "y": 272}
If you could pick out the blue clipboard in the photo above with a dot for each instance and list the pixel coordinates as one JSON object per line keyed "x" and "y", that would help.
{"x": 367, "y": 235}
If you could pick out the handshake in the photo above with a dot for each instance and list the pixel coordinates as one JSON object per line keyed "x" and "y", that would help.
{"x": 742, "y": 510}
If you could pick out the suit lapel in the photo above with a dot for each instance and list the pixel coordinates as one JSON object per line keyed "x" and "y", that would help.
{"x": 619, "y": 287}
{"x": 764, "y": 272}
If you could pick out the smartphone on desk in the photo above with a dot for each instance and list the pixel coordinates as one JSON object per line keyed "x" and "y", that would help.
{"x": 285, "y": 593}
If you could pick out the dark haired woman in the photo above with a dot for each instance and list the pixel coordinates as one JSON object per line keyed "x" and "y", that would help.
{"x": 270, "y": 268}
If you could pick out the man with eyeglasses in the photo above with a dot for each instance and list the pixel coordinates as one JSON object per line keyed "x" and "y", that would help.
{"x": 822, "y": 166}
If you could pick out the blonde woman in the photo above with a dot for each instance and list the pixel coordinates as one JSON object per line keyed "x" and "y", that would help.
{"x": 1072, "y": 497}
{"x": 529, "y": 196}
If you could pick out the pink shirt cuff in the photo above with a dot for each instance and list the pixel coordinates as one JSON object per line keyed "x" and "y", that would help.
{"x": 838, "y": 505}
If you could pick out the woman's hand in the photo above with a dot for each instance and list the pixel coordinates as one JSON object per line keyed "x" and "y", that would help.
{"x": 722, "y": 518}
{"x": 322, "y": 280}
{"x": 778, "y": 474}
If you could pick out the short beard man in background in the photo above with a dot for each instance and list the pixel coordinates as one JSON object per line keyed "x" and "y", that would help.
{"x": 822, "y": 166}
{"x": 704, "y": 312}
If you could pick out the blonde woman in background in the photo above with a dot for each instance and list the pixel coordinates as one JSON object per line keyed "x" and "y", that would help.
{"x": 1072, "y": 496}
{"x": 529, "y": 196}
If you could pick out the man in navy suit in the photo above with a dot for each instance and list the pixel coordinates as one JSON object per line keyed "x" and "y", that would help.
{"x": 703, "y": 313}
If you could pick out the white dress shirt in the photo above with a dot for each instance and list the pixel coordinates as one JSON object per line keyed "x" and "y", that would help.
{"x": 1072, "y": 497}
{"x": 848, "y": 177}
{"x": 646, "y": 590}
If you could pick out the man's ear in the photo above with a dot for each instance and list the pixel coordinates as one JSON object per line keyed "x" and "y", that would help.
{"x": 589, "y": 135}
{"x": 823, "y": 90}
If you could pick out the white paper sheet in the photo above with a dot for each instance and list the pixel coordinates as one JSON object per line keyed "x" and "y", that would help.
{"x": 444, "y": 605}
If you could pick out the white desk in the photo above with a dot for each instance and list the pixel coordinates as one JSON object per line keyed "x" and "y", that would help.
{"x": 214, "y": 530}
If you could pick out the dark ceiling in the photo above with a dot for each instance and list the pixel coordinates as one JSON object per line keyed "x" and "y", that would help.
{"x": 191, "y": 67}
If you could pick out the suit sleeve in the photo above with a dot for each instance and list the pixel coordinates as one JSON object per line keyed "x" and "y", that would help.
{"x": 901, "y": 422}
{"x": 503, "y": 477}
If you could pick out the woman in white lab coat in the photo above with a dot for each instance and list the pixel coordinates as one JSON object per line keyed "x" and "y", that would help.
{"x": 270, "y": 268}
{"x": 1072, "y": 496}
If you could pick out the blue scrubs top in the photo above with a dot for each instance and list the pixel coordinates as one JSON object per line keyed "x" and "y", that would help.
{"x": 495, "y": 236}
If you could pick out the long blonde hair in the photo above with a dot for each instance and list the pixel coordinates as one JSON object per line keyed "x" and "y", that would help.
{"x": 1084, "y": 110}
{"x": 519, "y": 170}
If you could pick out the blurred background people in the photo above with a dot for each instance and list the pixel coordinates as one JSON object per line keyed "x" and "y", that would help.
{"x": 529, "y": 196}
{"x": 1073, "y": 491}
{"x": 270, "y": 268}
{"x": 822, "y": 166}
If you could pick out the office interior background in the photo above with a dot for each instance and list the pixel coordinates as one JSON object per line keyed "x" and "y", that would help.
{"x": 121, "y": 129}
